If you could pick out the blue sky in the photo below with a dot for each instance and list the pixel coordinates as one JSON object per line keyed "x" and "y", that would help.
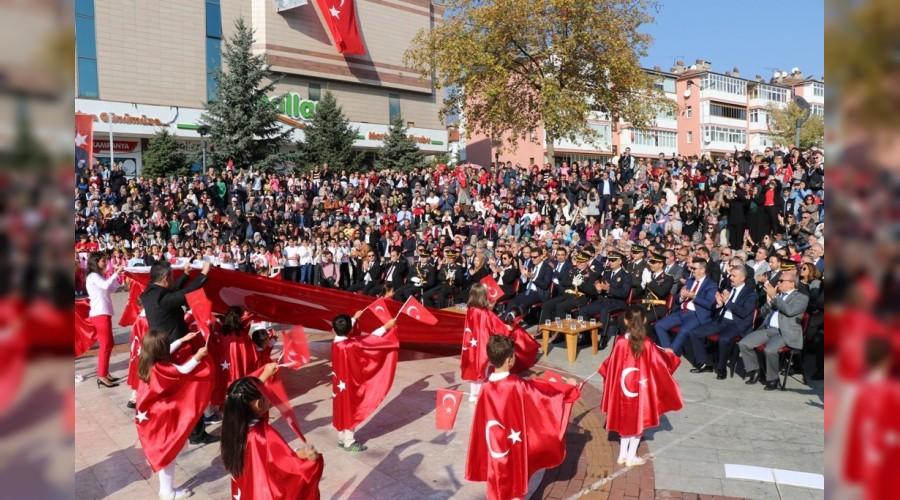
{"x": 756, "y": 36}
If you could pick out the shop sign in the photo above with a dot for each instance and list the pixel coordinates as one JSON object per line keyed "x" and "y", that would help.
{"x": 117, "y": 146}
{"x": 293, "y": 106}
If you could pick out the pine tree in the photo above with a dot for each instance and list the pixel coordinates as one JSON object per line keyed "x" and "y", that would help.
{"x": 162, "y": 158}
{"x": 243, "y": 123}
{"x": 398, "y": 150}
{"x": 329, "y": 138}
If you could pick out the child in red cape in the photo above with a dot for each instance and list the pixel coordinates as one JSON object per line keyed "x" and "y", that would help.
{"x": 234, "y": 352}
{"x": 362, "y": 367}
{"x": 138, "y": 330}
{"x": 481, "y": 323}
{"x": 526, "y": 347}
{"x": 264, "y": 341}
{"x": 262, "y": 464}
{"x": 170, "y": 402}
{"x": 638, "y": 385}
{"x": 519, "y": 425}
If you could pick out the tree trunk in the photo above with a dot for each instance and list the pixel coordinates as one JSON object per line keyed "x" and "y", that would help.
{"x": 550, "y": 152}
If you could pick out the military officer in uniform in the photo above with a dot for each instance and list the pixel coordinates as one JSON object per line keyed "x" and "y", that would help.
{"x": 613, "y": 290}
{"x": 638, "y": 268}
{"x": 422, "y": 278}
{"x": 654, "y": 292}
{"x": 449, "y": 277}
{"x": 573, "y": 296}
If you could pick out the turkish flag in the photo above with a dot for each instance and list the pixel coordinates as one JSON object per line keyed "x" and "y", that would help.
{"x": 637, "y": 391}
{"x": 460, "y": 176}
{"x": 519, "y": 428}
{"x": 85, "y": 335}
{"x": 480, "y": 325}
{"x": 526, "y": 349}
{"x": 447, "y": 407}
{"x": 552, "y": 376}
{"x": 273, "y": 390}
{"x": 201, "y": 308}
{"x": 494, "y": 292}
{"x": 296, "y": 348}
{"x": 138, "y": 330}
{"x": 13, "y": 350}
{"x": 415, "y": 310}
{"x": 380, "y": 309}
{"x": 133, "y": 306}
{"x": 363, "y": 372}
{"x": 272, "y": 468}
{"x": 84, "y": 139}
{"x": 340, "y": 16}
{"x": 169, "y": 407}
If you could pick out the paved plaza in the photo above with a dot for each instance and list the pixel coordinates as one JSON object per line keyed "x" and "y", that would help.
{"x": 723, "y": 422}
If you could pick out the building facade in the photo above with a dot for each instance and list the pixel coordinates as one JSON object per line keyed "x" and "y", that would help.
{"x": 146, "y": 65}
{"x": 717, "y": 113}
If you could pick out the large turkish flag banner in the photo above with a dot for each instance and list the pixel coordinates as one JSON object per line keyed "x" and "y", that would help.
{"x": 340, "y": 15}
{"x": 84, "y": 139}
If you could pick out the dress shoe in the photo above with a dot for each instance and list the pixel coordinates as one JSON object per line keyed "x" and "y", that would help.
{"x": 559, "y": 339}
{"x": 584, "y": 340}
{"x": 752, "y": 378}
{"x": 720, "y": 375}
{"x": 206, "y": 438}
{"x": 604, "y": 341}
{"x": 131, "y": 405}
{"x": 101, "y": 383}
{"x": 212, "y": 419}
{"x": 112, "y": 379}
{"x": 702, "y": 368}
{"x": 771, "y": 386}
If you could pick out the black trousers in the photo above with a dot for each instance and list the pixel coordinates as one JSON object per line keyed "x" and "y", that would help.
{"x": 602, "y": 307}
{"x": 437, "y": 296}
{"x": 198, "y": 431}
{"x": 558, "y": 307}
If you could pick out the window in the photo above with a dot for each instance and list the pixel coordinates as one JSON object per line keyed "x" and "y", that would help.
{"x": 213, "y": 46}
{"x": 757, "y": 116}
{"x": 690, "y": 137}
{"x": 770, "y": 93}
{"x": 725, "y": 134}
{"x": 315, "y": 91}
{"x": 819, "y": 89}
{"x": 604, "y": 133}
{"x": 664, "y": 113}
{"x": 394, "y": 105}
{"x": 725, "y": 84}
{"x": 656, "y": 138}
{"x": 86, "y": 49}
{"x": 690, "y": 111}
{"x": 727, "y": 111}
{"x": 818, "y": 109}
{"x": 664, "y": 84}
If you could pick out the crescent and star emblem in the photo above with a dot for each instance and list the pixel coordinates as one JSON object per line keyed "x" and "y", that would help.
{"x": 625, "y": 390}
{"x": 492, "y": 292}
{"x": 381, "y": 308}
{"x": 514, "y": 436}
{"x": 468, "y": 332}
{"x": 410, "y": 312}
{"x": 448, "y": 409}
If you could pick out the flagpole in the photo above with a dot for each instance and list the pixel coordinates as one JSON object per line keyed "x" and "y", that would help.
{"x": 112, "y": 157}
{"x": 401, "y": 308}
{"x": 585, "y": 380}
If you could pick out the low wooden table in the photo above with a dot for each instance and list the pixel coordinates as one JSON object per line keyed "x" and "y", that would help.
{"x": 571, "y": 335}
{"x": 455, "y": 310}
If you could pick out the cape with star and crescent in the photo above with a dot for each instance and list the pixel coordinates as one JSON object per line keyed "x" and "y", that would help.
{"x": 480, "y": 325}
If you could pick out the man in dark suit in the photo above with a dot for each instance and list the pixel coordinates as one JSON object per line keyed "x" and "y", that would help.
{"x": 783, "y": 313}
{"x": 732, "y": 319}
{"x": 369, "y": 274}
{"x": 562, "y": 272}
{"x": 164, "y": 298}
{"x": 394, "y": 273}
{"x": 613, "y": 289}
{"x": 607, "y": 190}
{"x": 537, "y": 282}
{"x": 696, "y": 301}
{"x": 163, "y": 302}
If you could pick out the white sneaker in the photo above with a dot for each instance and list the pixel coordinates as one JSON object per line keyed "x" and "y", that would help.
{"x": 634, "y": 462}
{"x": 177, "y": 494}
{"x": 473, "y": 398}
{"x": 621, "y": 461}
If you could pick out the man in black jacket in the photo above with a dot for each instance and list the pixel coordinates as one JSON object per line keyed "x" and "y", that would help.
{"x": 163, "y": 302}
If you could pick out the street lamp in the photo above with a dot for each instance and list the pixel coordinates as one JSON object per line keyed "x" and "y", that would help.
{"x": 804, "y": 105}
{"x": 203, "y": 130}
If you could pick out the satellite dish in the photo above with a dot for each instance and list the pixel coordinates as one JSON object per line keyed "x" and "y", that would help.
{"x": 795, "y": 70}
{"x": 801, "y": 102}
{"x": 707, "y": 138}
{"x": 687, "y": 93}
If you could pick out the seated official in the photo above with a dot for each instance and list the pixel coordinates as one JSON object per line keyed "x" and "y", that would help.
{"x": 695, "y": 304}
{"x": 613, "y": 288}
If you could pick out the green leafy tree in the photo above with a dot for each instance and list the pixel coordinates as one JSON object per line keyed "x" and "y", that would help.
{"x": 243, "y": 122}
{"x": 329, "y": 138}
{"x": 512, "y": 66}
{"x": 783, "y": 124}
{"x": 162, "y": 158}
{"x": 398, "y": 151}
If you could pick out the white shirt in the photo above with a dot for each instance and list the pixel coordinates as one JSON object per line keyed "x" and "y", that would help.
{"x": 304, "y": 255}
{"x": 292, "y": 256}
{"x": 773, "y": 323}
{"x": 535, "y": 273}
{"x": 734, "y": 294}
{"x": 99, "y": 291}
{"x": 378, "y": 332}
{"x": 497, "y": 376}
{"x": 696, "y": 288}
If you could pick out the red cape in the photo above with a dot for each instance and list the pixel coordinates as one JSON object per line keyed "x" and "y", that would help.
{"x": 480, "y": 325}
{"x": 637, "y": 391}
{"x": 363, "y": 370}
{"x": 235, "y": 357}
{"x": 873, "y": 440}
{"x": 273, "y": 470}
{"x": 168, "y": 409}
{"x": 519, "y": 428}
{"x": 85, "y": 335}
{"x": 526, "y": 349}
{"x": 138, "y": 329}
